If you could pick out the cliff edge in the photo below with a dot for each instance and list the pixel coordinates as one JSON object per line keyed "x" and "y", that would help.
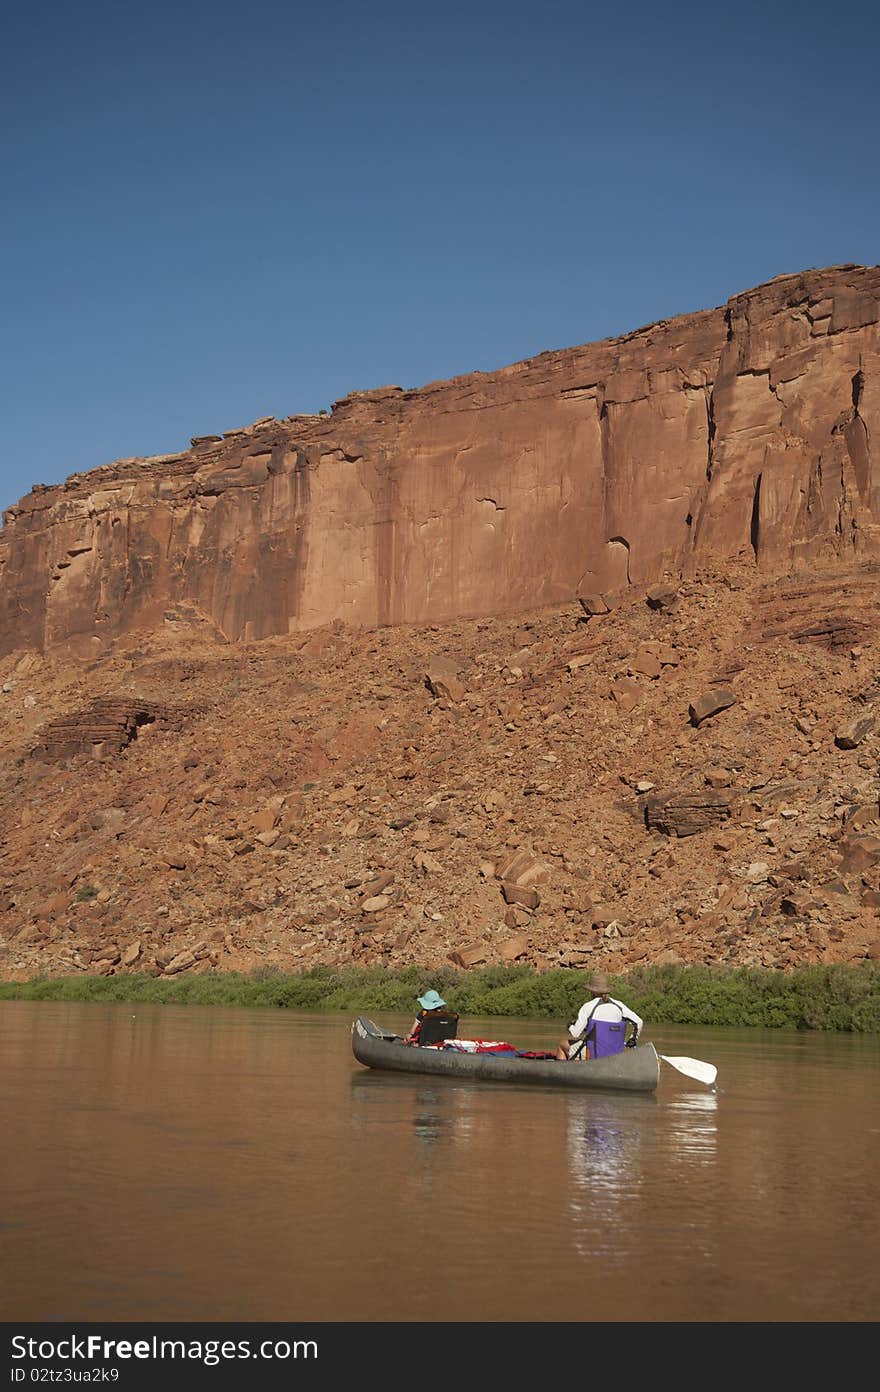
{"x": 748, "y": 429}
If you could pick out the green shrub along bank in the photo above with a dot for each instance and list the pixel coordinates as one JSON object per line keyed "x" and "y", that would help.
{"x": 821, "y": 998}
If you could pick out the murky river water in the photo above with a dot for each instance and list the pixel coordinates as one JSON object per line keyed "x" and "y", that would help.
{"x": 197, "y": 1163}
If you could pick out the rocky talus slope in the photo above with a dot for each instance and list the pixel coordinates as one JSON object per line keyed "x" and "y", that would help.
{"x": 689, "y": 773}
{"x": 750, "y": 428}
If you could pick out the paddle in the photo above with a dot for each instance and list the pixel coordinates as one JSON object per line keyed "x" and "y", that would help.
{"x": 693, "y": 1068}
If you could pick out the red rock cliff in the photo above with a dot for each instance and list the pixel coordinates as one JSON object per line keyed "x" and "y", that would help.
{"x": 751, "y": 426}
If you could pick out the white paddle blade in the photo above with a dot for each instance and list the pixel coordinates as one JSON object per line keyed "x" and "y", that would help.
{"x": 694, "y": 1068}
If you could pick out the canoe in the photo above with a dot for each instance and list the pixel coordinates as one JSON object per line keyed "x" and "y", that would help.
{"x": 633, "y": 1070}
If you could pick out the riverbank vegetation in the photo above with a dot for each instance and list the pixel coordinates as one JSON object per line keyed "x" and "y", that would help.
{"x": 836, "y": 997}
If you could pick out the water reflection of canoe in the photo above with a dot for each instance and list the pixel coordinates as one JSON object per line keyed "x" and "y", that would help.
{"x": 634, "y": 1070}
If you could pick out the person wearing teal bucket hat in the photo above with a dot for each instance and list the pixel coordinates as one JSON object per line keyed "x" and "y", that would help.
{"x": 435, "y": 1021}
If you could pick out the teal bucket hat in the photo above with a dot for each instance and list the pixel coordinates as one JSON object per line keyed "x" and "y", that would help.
{"x": 430, "y": 1000}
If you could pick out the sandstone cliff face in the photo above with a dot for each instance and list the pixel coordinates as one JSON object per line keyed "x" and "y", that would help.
{"x": 749, "y": 428}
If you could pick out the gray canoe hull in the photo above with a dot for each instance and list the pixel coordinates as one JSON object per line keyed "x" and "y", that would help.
{"x": 634, "y": 1070}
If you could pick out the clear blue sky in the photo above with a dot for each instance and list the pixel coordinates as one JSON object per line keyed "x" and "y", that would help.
{"x": 214, "y": 211}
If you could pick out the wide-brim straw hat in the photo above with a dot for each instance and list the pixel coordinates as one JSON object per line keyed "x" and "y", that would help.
{"x": 599, "y": 984}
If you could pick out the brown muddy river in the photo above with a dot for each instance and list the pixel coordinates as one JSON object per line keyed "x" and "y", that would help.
{"x": 186, "y": 1163}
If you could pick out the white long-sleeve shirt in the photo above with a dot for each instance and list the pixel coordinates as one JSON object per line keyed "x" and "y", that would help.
{"x": 599, "y": 1009}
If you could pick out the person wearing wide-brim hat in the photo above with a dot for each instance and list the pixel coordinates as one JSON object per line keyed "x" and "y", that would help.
{"x": 600, "y": 1026}
{"x": 433, "y": 1007}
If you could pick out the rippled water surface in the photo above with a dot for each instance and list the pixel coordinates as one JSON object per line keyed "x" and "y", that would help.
{"x": 198, "y": 1163}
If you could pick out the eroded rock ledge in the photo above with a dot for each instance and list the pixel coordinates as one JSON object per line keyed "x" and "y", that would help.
{"x": 747, "y": 428}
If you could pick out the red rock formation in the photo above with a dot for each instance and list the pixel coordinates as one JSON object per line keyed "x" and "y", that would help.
{"x": 742, "y": 428}
{"x": 105, "y": 727}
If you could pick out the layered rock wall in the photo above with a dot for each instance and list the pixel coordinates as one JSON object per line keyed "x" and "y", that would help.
{"x": 748, "y": 428}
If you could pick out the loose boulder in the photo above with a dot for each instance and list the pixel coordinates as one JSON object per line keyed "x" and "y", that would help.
{"x": 852, "y": 734}
{"x": 711, "y": 702}
{"x": 685, "y": 814}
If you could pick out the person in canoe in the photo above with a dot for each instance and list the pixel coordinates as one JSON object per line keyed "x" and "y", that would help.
{"x": 435, "y": 1021}
{"x": 600, "y": 1027}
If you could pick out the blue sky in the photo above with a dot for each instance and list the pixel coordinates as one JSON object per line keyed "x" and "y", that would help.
{"x": 214, "y": 212}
